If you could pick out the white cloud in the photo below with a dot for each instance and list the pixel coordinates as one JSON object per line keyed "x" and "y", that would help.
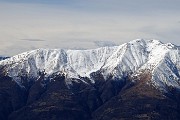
{"x": 79, "y": 25}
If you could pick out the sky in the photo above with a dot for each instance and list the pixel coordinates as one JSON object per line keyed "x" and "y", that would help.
{"x": 85, "y": 24}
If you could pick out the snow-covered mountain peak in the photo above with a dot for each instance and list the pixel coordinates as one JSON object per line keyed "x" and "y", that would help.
{"x": 163, "y": 60}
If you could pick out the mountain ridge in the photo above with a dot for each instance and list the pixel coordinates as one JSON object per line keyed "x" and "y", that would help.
{"x": 131, "y": 57}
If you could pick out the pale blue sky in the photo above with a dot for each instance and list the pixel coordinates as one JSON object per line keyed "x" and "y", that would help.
{"x": 84, "y": 24}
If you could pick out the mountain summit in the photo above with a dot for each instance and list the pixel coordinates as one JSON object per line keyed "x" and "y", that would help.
{"x": 103, "y": 83}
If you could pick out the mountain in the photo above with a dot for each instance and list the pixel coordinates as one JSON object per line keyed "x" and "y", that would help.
{"x": 136, "y": 80}
{"x": 3, "y": 58}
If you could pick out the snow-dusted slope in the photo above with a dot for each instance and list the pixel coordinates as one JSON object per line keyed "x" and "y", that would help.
{"x": 163, "y": 60}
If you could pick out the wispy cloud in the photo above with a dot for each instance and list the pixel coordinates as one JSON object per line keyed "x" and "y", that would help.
{"x": 33, "y": 40}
